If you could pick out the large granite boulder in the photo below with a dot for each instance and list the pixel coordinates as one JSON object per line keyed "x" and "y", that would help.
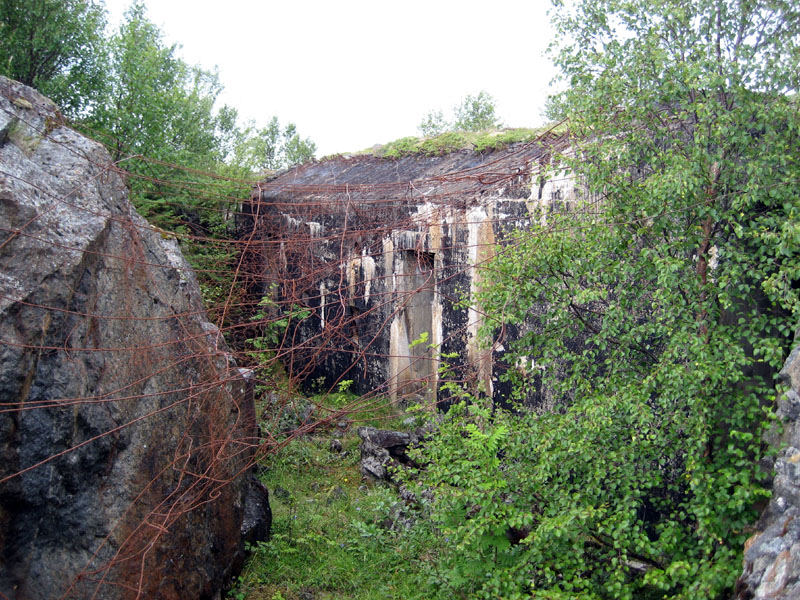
{"x": 126, "y": 431}
{"x": 772, "y": 556}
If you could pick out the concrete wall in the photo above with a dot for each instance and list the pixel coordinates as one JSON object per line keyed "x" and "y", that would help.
{"x": 391, "y": 274}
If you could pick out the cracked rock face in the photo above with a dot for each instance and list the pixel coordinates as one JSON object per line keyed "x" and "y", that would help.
{"x": 772, "y": 556}
{"x": 124, "y": 424}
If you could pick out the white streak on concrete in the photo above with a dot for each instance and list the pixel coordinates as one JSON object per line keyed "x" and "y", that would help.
{"x": 399, "y": 356}
{"x": 368, "y": 270}
{"x": 315, "y": 229}
{"x": 322, "y": 291}
{"x": 388, "y": 260}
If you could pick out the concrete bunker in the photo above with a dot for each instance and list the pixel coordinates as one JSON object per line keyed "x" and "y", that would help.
{"x": 387, "y": 255}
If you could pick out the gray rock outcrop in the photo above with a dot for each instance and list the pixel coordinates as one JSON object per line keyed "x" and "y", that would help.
{"x": 382, "y": 450}
{"x": 772, "y": 556}
{"x": 125, "y": 429}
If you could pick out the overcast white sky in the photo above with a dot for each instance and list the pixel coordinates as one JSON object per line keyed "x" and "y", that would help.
{"x": 354, "y": 73}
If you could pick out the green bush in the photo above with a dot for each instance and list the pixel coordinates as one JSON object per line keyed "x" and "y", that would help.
{"x": 602, "y": 501}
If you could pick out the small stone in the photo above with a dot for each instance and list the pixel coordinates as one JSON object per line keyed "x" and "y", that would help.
{"x": 282, "y": 494}
{"x": 335, "y": 494}
{"x": 382, "y": 449}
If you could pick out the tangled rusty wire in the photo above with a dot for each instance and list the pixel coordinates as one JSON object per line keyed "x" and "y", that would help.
{"x": 352, "y": 271}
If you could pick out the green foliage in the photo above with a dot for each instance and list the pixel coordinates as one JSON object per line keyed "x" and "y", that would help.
{"x": 332, "y": 535}
{"x": 476, "y": 113}
{"x": 338, "y": 398}
{"x": 190, "y": 163}
{"x": 433, "y": 124}
{"x": 473, "y": 113}
{"x": 271, "y": 147}
{"x": 273, "y": 325}
{"x": 657, "y": 322}
{"x": 422, "y": 339}
{"x": 153, "y": 103}
{"x": 591, "y": 503}
{"x": 453, "y": 141}
{"x": 343, "y": 396}
{"x": 275, "y": 322}
{"x": 295, "y": 150}
{"x": 56, "y": 46}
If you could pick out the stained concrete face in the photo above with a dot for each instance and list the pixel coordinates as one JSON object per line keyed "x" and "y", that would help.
{"x": 412, "y": 328}
{"x": 389, "y": 259}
